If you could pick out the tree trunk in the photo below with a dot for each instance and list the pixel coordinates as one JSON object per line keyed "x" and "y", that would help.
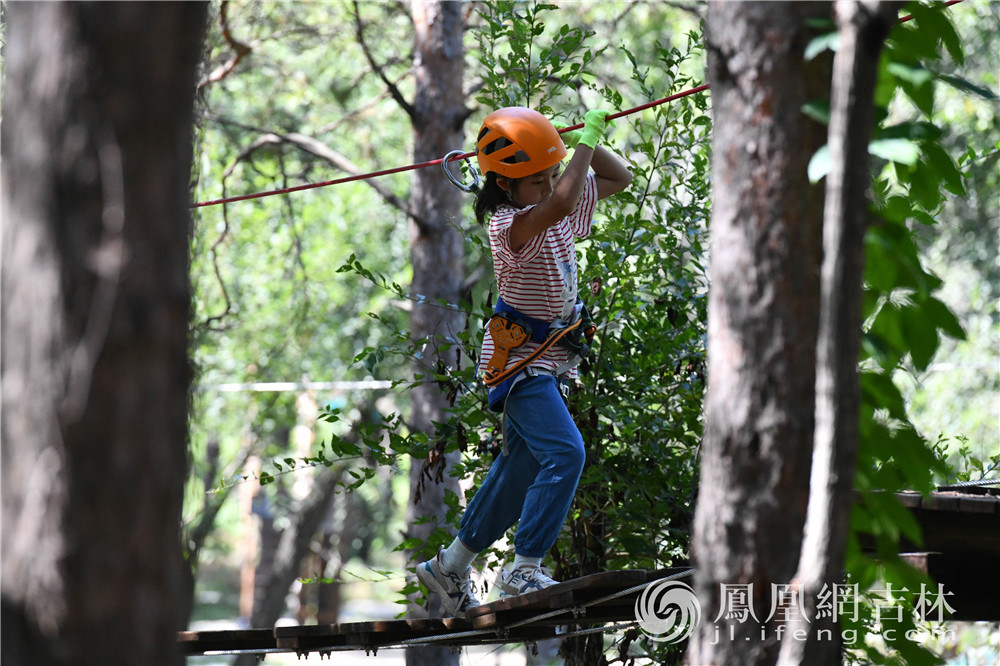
{"x": 275, "y": 579}
{"x": 863, "y": 27}
{"x": 762, "y": 323}
{"x": 436, "y": 249}
{"x": 96, "y": 303}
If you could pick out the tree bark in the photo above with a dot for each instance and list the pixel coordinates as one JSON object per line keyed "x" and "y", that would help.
{"x": 436, "y": 251}
{"x": 96, "y": 304}
{"x": 293, "y": 543}
{"x": 762, "y": 323}
{"x": 862, "y": 27}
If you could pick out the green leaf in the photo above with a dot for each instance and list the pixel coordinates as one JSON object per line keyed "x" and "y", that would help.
{"x": 934, "y": 23}
{"x": 945, "y": 167}
{"x": 819, "y": 164}
{"x": 907, "y": 43}
{"x": 964, "y": 85}
{"x": 920, "y": 334}
{"x": 829, "y": 41}
{"x": 902, "y": 151}
{"x": 880, "y": 391}
{"x": 925, "y": 187}
{"x": 897, "y": 208}
{"x": 917, "y": 75}
{"x": 409, "y": 544}
{"x": 892, "y": 518}
{"x": 818, "y": 110}
{"x": 944, "y": 318}
{"x": 887, "y": 330}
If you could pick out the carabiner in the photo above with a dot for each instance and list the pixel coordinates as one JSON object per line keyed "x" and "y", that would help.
{"x": 474, "y": 187}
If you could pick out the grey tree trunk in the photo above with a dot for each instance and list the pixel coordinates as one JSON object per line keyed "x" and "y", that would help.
{"x": 862, "y": 27}
{"x": 436, "y": 250}
{"x": 762, "y": 322}
{"x": 95, "y": 374}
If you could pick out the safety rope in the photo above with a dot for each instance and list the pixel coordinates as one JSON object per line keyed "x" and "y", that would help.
{"x": 422, "y": 165}
{"x": 457, "y": 155}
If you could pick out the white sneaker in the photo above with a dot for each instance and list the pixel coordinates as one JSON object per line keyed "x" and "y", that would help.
{"x": 458, "y": 593}
{"x": 525, "y": 578}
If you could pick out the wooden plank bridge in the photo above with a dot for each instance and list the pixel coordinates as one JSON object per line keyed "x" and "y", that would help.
{"x": 582, "y": 605}
{"x": 961, "y": 530}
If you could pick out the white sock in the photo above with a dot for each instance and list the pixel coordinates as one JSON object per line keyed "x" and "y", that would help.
{"x": 523, "y": 559}
{"x": 456, "y": 558}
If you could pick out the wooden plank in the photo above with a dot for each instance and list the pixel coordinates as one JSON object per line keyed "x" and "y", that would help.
{"x": 968, "y": 583}
{"x": 941, "y": 502}
{"x": 910, "y": 500}
{"x": 976, "y": 504}
{"x": 952, "y": 523}
{"x": 374, "y": 633}
{"x": 378, "y": 634}
{"x": 581, "y": 593}
{"x": 565, "y": 593}
{"x": 200, "y": 642}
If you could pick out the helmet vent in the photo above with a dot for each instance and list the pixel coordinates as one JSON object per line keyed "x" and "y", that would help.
{"x": 519, "y": 156}
{"x": 494, "y": 146}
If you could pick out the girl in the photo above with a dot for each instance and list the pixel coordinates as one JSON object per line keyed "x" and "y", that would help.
{"x": 535, "y": 212}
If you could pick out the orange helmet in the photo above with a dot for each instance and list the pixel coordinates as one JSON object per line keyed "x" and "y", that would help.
{"x": 516, "y": 142}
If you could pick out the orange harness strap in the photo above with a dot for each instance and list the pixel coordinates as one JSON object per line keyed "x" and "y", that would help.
{"x": 508, "y": 334}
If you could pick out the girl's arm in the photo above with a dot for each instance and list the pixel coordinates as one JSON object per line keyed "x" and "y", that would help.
{"x": 565, "y": 195}
{"x": 612, "y": 175}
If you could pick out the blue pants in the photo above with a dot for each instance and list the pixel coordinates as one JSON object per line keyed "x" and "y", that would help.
{"x": 534, "y": 482}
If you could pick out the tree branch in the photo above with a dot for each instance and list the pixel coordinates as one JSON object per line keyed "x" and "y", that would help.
{"x": 321, "y": 150}
{"x": 393, "y": 89}
{"x": 862, "y": 29}
{"x": 239, "y": 50}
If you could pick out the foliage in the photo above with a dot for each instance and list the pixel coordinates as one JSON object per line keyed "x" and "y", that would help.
{"x": 904, "y": 323}
{"x": 638, "y": 402}
{"x": 269, "y": 304}
{"x": 281, "y": 282}
{"x": 956, "y": 397}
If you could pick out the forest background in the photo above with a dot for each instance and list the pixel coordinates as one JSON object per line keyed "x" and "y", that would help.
{"x": 302, "y": 337}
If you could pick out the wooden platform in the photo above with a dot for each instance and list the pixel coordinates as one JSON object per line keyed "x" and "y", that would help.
{"x": 591, "y": 601}
{"x": 961, "y": 545}
{"x": 961, "y": 530}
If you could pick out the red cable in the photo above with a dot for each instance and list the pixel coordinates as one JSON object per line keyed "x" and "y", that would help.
{"x": 910, "y": 17}
{"x": 412, "y": 167}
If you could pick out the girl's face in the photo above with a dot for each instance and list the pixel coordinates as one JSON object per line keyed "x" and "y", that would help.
{"x": 532, "y": 189}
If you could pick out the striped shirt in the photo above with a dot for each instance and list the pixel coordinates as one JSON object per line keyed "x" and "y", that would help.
{"x": 540, "y": 280}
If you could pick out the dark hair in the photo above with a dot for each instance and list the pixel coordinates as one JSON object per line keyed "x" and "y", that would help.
{"x": 490, "y": 197}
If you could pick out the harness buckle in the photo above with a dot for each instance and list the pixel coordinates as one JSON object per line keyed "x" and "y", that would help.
{"x": 507, "y": 334}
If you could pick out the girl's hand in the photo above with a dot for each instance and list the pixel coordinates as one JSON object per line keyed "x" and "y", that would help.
{"x": 595, "y": 123}
{"x": 570, "y": 138}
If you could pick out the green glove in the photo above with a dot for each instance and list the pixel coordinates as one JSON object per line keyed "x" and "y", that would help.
{"x": 570, "y": 138}
{"x": 595, "y": 123}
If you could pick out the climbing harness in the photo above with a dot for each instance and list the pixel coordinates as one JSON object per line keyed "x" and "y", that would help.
{"x": 510, "y": 329}
{"x": 507, "y": 334}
